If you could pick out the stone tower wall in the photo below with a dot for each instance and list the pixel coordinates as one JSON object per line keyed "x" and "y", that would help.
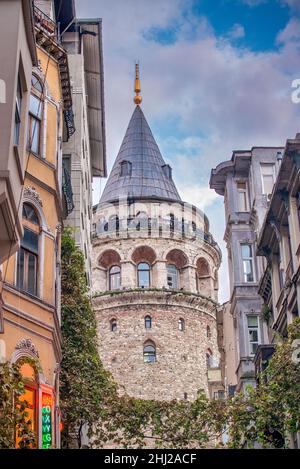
{"x": 181, "y": 367}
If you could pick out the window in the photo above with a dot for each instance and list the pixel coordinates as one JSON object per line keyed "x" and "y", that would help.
{"x": 27, "y": 261}
{"x": 30, "y": 396}
{"x": 208, "y": 332}
{"x": 35, "y": 116}
{"x": 252, "y": 323}
{"x": 208, "y": 360}
{"x": 149, "y": 352}
{"x": 18, "y": 112}
{"x": 242, "y": 196}
{"x": 143, "y": 275}
{"x": 298, "y": 206}
{"x": 219, "y": 394}
{"x": 113, "y": 325}
{"x": 247, "y": 258}
{"x": 172, "y": 276}
{"x": 126, "y": 168}
{"x": 167, "y": 170}
{"x": 148, "y": 322}
{"x": 181, "y": 324}
{"x": 115, "y": 278}
{"x": 268, "y": 177}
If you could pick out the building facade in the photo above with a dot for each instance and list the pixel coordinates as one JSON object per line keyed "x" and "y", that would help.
{"x": 17, "y": 60}
{"x": 246, "y": 183}
{"x": 84, "y": 154}
{"x": 31, "y": 276}
{"x": 279, "y": 243}
{"x": 155, "y": 277}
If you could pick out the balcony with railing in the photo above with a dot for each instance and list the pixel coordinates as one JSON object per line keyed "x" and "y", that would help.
{"x": 45, "y": 23}
{"x": 68, "y": 202}
{"x": 152, "y": 227}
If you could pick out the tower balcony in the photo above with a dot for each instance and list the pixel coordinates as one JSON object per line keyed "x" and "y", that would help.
{"x": 151, "y": 228}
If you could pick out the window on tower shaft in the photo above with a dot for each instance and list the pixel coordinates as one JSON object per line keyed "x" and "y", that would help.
{"x": 148, "y": 322}
{"x": 143, "y": 275}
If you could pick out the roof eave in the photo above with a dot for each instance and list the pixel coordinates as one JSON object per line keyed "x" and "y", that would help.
{"x": 30, "y": 31}
{"x": 98, "y": 158}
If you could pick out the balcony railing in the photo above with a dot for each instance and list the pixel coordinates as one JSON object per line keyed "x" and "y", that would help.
{"x": 67, "y": 191}
{"x": 45, "y": 23}
{"x": 151, "y": 226}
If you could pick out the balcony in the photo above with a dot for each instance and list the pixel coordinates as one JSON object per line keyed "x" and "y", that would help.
{"x": 45, "y": 23}
{"x": 262, "y": 358}
{"x": 67, "y": 193}
{"x": 144, "y": 227}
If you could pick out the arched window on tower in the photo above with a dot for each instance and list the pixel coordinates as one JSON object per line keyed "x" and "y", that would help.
{"x": 35, "y": 115}
{"x": 208, "y": 360}
{"x": 113, "y": 325}
{"x": 28, "y": 255}
{"x": 208, "y": 332}
{"x": 143, "y": 271}
{"x": 172, "y": 276}
{"x": 181, "y": 324}
{"x": 149, "y": 352}
{"x": 115, "y": 277}
{"x": 148, "y": 322}
{"x": 203, "y": 277}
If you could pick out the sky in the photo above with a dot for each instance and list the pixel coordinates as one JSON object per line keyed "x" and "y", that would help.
{"x": 216, "y": 76}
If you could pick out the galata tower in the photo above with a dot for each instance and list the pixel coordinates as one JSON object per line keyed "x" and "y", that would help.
{"x": 155, "y": 277}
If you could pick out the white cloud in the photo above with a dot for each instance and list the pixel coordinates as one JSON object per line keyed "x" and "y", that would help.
{"x": 236, "y": 32}
{"x": 222, "y": 97}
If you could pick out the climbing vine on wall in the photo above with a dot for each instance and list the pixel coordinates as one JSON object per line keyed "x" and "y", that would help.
{"x": 89, "y": 397}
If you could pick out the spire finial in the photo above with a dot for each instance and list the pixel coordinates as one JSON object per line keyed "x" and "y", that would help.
{"x": 137, "y": 86}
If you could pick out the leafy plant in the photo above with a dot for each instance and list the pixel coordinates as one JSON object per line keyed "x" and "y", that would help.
{"x": 14, "y": 419}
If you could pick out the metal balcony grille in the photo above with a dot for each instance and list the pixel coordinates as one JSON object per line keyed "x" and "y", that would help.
{"x": 67, "y": 190}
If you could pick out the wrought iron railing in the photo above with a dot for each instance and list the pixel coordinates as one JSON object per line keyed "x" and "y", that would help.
{"x": 67, "y": 190}
{"x": 151, "y": 226}
{"x": 45, "y": 23}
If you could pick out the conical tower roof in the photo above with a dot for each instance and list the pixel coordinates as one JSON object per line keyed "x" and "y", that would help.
{"x": 146, "y": 173}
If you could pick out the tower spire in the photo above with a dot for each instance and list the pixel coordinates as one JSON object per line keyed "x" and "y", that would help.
{"x": 137, "y": 86}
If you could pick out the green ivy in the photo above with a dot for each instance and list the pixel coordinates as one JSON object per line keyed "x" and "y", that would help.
{"x": 89, "y": 396}
{"x": 13, "y": 415}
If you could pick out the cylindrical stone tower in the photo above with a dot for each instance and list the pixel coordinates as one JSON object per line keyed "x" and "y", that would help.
{"x": 155, "y": 278}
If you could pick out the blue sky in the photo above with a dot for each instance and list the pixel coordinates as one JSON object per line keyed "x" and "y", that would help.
{"x": 216, "y": 76}
{"x": 261, "y": 22}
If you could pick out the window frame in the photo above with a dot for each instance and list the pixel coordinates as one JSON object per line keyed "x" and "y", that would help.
{"x": 125, "y": 168}
{"x": 37, "y": 94}
{"x": 33, "y": 386}
{"x": 247, "y": 259}
{"x": 114, "y": 274}
{"x": 174, "y": 275}
{"x": 265, "y": 165}
{"x": 22, "y": 271}
{"x": 148, "y": 322}
{"x": 181, "y": 324}
{"x": 149, "y": 353}
{"x": 143, "y": 270}
{"x": 244, "y": 191}
{"x": 18, "y": 111}
{"x": 252, "y": 328}
{"x": 113, "y": 325}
